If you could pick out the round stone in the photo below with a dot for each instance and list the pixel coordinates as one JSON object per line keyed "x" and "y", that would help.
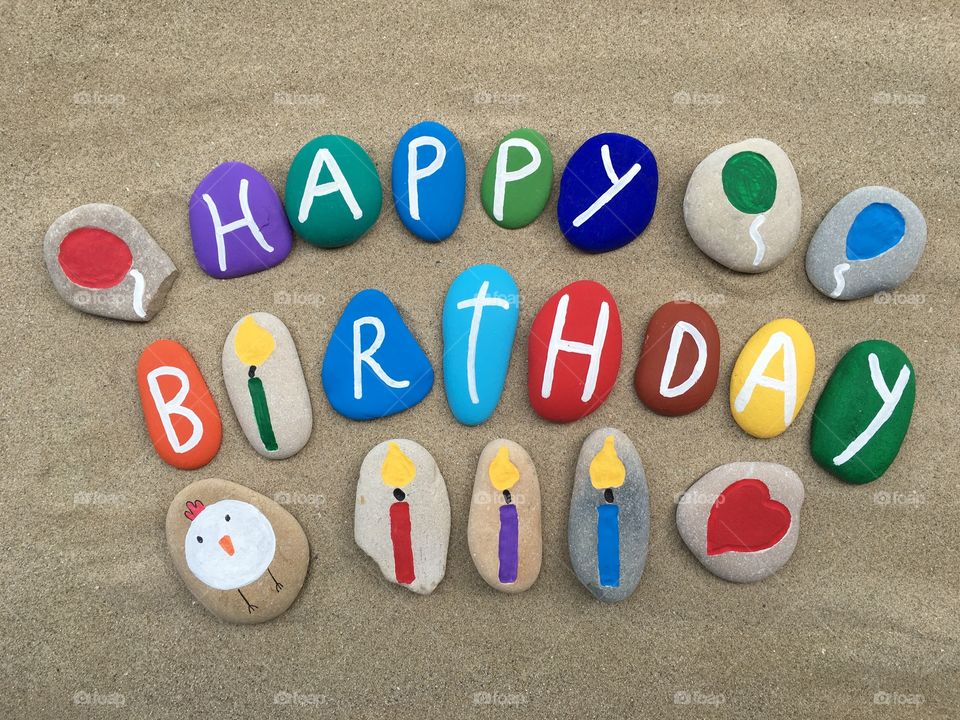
{"x": 518, "y": 178}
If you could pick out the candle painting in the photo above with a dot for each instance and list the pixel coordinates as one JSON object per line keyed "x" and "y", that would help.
{"x": 402, "y": 514}
{"x": 503, "y": 530}
{"x": 253, "y": 346}
{"x": 609, "y": 525}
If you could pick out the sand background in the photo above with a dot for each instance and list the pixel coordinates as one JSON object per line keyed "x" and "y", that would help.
{"x": 133, "y": 105}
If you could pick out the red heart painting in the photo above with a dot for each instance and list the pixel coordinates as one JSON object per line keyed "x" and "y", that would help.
{"x": 745, "y": 519}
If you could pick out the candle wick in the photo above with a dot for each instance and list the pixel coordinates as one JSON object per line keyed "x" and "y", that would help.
{"x": 252, "y": 370}
{"x": 506, "y": 496}
{"x": 399, "y": 494}
{"x": 608, "y": 495}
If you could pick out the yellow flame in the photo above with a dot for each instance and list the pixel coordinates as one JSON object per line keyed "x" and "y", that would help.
{"x": 606, "y": 470}
{"x": 253, "y": 344}
{"x": 503, "y": 473}
{"x": 397, "y": 469}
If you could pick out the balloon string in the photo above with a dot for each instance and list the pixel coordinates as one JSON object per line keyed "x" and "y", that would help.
{"x": 138, "y": 289}
{"x": 838, "y": 272}
{"x": 757, "y": 240}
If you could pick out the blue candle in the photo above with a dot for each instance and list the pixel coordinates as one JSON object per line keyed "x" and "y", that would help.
{"x": 608, "y": 544}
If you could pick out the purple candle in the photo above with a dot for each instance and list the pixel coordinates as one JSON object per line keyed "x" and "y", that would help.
{"x": 509, "y": 541}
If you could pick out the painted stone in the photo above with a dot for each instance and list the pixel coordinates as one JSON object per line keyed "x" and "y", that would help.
{"x": 503, "y": 531}
{"x": 573, "y": 352}
{"x": 680, "y": 359}
{"x": 480, "y": 317}
{"x": 869, "y": 242}
{"x": 241, "y": 555}
{"x": 373, "y": 365}
{"x": 772, "y": 377}
{"x": 608, "y": 192}
{"x": 862, "y": 416}
{"x": 104, "y": 262}
{"x": 429, "y": 181}
{"x": 265, "y": 383}
{"x": 237, "y": 222}
{"x": 517, "y": 181}
{"x": 609, "y": 526}
{"x": 181, "y": 416}
{"x": 402, "y": 515}
{"x": 742, "y": 206}
{"x": 742, "y": 520}
{"x": 333, "y": 193}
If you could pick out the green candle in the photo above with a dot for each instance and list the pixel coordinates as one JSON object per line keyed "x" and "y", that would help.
{"x": 261, "y": 411}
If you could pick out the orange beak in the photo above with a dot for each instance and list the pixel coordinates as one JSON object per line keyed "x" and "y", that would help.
{"x": 227, "y": 544}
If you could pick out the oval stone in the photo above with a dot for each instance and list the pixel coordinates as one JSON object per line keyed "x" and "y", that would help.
{"x": 609, "y": 526}
{"x": 181, "y": 416}
{"x": 402, "y": 514}
{"x": 429, "y": 181}
{"x": 680, "y": 359}
{"x": 742, "y": 520}
{"x": 518, "y": 178}
{"x": 862, "y": 416}
{"x": 333, "y": 193}
{"x": 265, "y": 383}
{"x": 869, "y": 242}
{"x": 102, "y": 261}
{"x": 373, "y": 365}
{"x": 241, "y": 555}
{"x": 503, "y": 530}
{"x": 742, "y": 206}
{"x": 480, "y": 317}
{"x": 573, "y": 353}
{"x": 237, "y": 222}
{"x": 608, "y": 192}
{"x": 772, "y": 377}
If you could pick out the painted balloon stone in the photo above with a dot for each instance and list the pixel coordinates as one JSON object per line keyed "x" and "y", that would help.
{"x": 742, "y": 520}
{"x": 265, "y": 383}
{"x": 104, "y": 262}
{"x": 429, "y": 181}
{"x": 573, "y": 353}
{"x": 680, "y": 359}
{"x": 609, "y": 526}
{"x": 771, "y": 378}
{"x": 373, "y": 366}
{"x": 862, "y": 416}
{"x": 241, "y": 555}
{"x": 333, "y": 193}
{"x": 871, "y": 241}
{"x": 402, "y": 515}
{"x": 608, "y": 192}
{"x": 742, "y": 206}
{"x": 182, "y": 419}
{"x": 237, "y": 222}
{"x": 503, "y": 531}
{"x": 517, "y": 181}
{"x": 480, "y": 317}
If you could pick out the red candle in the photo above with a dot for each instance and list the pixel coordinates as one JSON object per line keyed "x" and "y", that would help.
{"x": 402, "y": 546}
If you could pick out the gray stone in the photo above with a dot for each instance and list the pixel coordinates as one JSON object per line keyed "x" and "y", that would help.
{"x": 589, "y": 509}
{"x": 104, "y": 262}
{"x": 508, "y": 561}
{"x": 402, "y": 473}
{"x": 289, "y": 422}
{"x": 846, "y": 272}
{"x": 742, "y": 520}
{"x": 746, "y": 216}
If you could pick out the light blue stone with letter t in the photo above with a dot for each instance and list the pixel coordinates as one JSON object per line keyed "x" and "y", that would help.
{"x": 480, "y": 317}
{"x": 373, "y": 365}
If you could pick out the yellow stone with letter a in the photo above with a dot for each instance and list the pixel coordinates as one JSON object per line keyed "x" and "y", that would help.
{"x": 771, "y": 378}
